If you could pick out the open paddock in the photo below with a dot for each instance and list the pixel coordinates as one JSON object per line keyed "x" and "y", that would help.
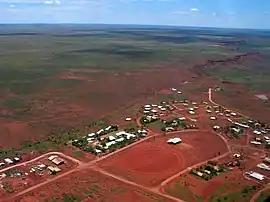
{"x": 151, "y": 162}
{"x": 91, "y": 186}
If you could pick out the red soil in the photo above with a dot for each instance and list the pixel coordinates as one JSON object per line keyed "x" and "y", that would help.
{"x": 78, "y": 104}
{"x": 89, "y": 185}
{"x": 153, "y": 161}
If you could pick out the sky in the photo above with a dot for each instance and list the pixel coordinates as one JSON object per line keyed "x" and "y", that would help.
{"x": 206, "y": 13}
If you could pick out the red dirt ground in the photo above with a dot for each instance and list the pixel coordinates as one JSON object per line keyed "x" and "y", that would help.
{"x": 151, "y": 162}
{"x": 89, "y": 185}
{"x": 65, "y": 106}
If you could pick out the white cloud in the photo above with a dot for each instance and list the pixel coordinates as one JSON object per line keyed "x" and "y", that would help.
{"x": 12, "y": 6}
{"x": 194, "y": 9}
{"x": 214, "y": 14}
{"x": 48, "y": 2}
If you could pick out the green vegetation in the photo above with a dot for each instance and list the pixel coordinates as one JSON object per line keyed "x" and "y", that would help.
{"x": 69, "y": 198}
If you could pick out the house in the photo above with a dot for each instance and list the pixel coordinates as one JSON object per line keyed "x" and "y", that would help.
{"x": 207, "y": 172}
{"x": 256, "y": 175}
{"x": 216, "y": 168}
{"x": 236, "y": 130}
{"x": 191, "y": 112}
{"x": 213, "y": 118}
{"x": 216, "y": 127}
{"x": 128, "y": 119}
{"x": 91, "y": 134}
{"x": 52, "y": 157}
{"x": 191, "y": 109}
{"x": 173, "y": 89}
{"x": 2, "y": 164}
{"x": 182, "y": 118}
{"x": 169, "y": 129}
{"x": 256, "y": 132}
{"x": 233, "y": 114}
{"x": 147, "y": 106}
{"x": 258, "y": 139}
{"x": 255, "y": 143}
{"x": 58, "y": 161}
{"x": 199, "y": 174}
{"x": 146, "y": 112}
{"x": 208, "y": 111}
{"x": 179, "y": 92}
{"x": 100, "y": 131}
{"x": 175, "y": 140}
{"x": 54, "y": 169}
{"x": 163, "y": 109}
{"x": 8, "y": 161}
{"x": 16, "y": 159}
{"x": 266, "y": 160}
{"x": 263, "y": 166}
{"x": 108, "y": 128}
{"x": 154, "y": 111}
{"x": 121, "y": 139}
{"x": 241, "y": 125}
{"x": 98, "y": 151}
{"x": 237, "y": 155}
{"x": 111, "y": 138}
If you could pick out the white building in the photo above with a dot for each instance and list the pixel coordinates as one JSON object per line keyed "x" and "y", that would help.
{"x": 175, "y": 140}
{"x": 191, "y": 112}
{"x": 241, "y": 125}
{"x": 8, "y": 160}
{"x": 263, "y": 166}
{"x": 256, "y": 175}
{"x": 128, "y": 119}
{"x": 256, "y": 132}
{"x": 111, "y": 138}
{"x": 255, "y": 142}
{"x": 213, "y": 118}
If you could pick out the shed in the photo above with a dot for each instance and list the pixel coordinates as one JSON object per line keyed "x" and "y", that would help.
{"x": 175, "y": 140}
{"x": 58, "y": 161}
{"x": 8, "y": 161}
{"x": 54, "y": 169}
{"x": 52, "y": 157}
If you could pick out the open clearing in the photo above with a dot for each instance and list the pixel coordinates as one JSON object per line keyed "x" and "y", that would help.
{"x": 89, "y": 185}
{"x": 151, "y": 162}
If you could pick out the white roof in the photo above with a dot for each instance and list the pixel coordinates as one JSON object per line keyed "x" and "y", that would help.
{"x": 91, "y": 134}
{"x": 257, "y": 132}
{"x": 191, "y": 112}
{"x": 255, "y": 142}
{"x": 8, "y": 160}
{"x": 256, "y": 175}
{"x": 111, "y": 138}
{"x": 182, "y": 118}
{"x": 146, "y": 112}
{"x": 154, "y": 105}
{"x": 233, "y": 114}
{"x": 213, "y": 118}
{"x": 128, "y": 119}
{"x": 174, "y": 140}
{"x": 263, "y": 166}
{"x": 98, "y": 151}
{"x": 100, "y": 131}
{"x": 147, "y": 106}
{"x": 153, "y": 110}
{"x": 242, "y": 125}
{"x": 52, "y": 157}
{"x": 174, "y": 89}
{"x": 108, "y": 128}
{"x": 163, "y": 109}
{"x": 179, "y": 92}
{"x": 191, "y": 109}
{"x": 121, "y": 139}
{"x": 108, "y": 144}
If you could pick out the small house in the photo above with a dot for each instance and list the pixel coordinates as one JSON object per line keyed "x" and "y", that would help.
{"x": 8, "y": 161}
{"x": 54, "y": 169}
{"x": 52, "y": 157}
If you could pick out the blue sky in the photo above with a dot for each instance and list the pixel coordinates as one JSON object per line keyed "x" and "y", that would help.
{"x": 213, "y": 13}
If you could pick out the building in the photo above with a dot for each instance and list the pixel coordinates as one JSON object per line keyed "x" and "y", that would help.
{"x": 8, "y": 161}
{"x": 255, "y": 143}
{"x": 237, "y": 155}
{"x": 182, "y": 118}
{"x": 58, "y": 161}
{"x": 199, "y": 174}
{"x": 111, "y": 138}
{"x": 213, "y": 118}
{"x": 175, "y": 140}
{"x": 256, "y": 175}
{"x": 54, "y": 169}
{"x": 191, "y": 112}
{"x": 169, "y": 129}
{"x": 263, "y": 166}
{"x": 16, "y": 159}
{"x": 207, "y": 172}
{"x": 241, "y": 125}
{"x": 52, "y": 157}
{"x": 256, "y": 132}
{"x": 266, "y": 160}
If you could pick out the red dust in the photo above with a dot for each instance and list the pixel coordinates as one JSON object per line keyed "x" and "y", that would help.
{"x": 153, "y": 161}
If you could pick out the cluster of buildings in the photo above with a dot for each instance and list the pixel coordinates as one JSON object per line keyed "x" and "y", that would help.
{"x": 9, "y": 161}
{"x": 105, "y": 139}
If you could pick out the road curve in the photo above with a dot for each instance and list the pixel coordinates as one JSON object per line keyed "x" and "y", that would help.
{"x": 256, "y": 196}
